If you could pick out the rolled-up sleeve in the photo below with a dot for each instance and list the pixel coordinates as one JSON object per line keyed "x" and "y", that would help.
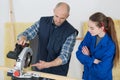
{"x": 67, "y": 48}
{"x": 30, "y": 32}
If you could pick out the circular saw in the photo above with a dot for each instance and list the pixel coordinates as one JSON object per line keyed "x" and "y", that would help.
{"x": 23, "y": 56}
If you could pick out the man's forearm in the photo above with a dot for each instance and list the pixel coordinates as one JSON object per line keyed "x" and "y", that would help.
{"x": 56, "y": 62}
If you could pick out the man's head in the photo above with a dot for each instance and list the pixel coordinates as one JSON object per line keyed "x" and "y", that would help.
{"x": 61, "y": 13}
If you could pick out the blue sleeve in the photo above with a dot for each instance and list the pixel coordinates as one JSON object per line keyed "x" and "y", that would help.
{"x": 106, "y": 63}
{"x": 84, "y": 59}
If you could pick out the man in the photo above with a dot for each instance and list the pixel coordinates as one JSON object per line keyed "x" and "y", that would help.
{"x": 56, "y": 41}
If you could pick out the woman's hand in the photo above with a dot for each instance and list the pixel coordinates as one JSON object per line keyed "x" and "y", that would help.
{"x": 97, "y": 61}
{"x": 85, "y": 50}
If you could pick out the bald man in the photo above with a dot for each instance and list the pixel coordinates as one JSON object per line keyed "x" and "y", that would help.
{"x": 56, "y": 41}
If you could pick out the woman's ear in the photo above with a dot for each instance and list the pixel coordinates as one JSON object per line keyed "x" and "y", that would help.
{"x": 103, "y": 28}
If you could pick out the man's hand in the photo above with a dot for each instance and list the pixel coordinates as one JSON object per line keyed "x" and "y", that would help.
{"x": 22, "y": 40}
{"x": 41, "y": 64}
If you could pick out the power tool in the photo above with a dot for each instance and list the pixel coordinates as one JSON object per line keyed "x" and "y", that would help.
{"x": 23, "y": 57}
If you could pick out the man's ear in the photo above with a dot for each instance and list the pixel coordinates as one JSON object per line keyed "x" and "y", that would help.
{"x": 67, "y": 16}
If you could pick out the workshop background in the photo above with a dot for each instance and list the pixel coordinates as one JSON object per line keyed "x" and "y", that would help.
{"x": 25, "y": 12}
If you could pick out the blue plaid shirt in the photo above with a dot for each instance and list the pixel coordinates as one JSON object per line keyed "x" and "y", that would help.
{"x": 67, "y": 47}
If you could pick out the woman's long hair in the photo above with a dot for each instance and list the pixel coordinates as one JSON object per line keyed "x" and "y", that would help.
{"x": 109, "y": 27}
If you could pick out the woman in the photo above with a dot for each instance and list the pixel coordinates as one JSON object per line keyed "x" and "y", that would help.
{"x": 99, "y": 50}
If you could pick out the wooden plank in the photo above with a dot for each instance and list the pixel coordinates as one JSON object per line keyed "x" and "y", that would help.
{"x": 12, "y": 20}
{"x": 79, "y": 38}
{"x": 41, "y": 74}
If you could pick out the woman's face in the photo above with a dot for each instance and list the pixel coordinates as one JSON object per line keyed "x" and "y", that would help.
{"x": 94, "y": 29}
